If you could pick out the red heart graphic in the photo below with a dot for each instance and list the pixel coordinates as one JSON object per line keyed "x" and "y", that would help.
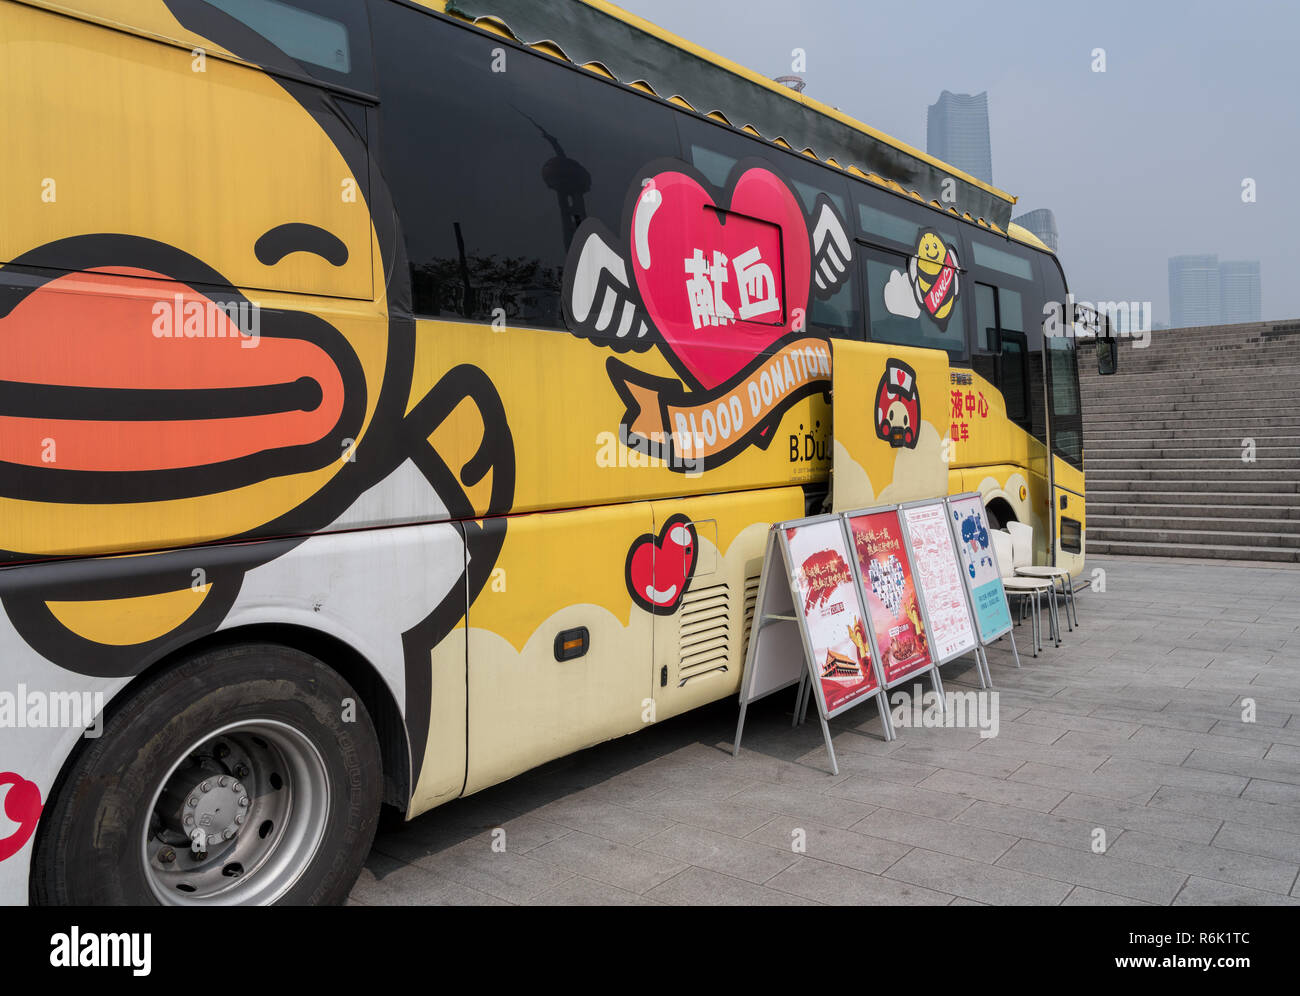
{"x": 659, "y": 568}
{"x": 674, "y": 219}
{"x": 22, "y": 806}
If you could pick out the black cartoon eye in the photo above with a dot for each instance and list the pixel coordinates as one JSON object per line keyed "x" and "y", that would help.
{"x": 282, "y": 240}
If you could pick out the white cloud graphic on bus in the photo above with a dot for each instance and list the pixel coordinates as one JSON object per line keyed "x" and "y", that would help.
{"x": 899, "y": 297}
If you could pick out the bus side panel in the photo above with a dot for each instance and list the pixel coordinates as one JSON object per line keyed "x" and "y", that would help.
{"x": 559, "y": 573}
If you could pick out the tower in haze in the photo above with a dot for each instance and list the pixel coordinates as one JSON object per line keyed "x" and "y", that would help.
{"x": 1042, "y": 223}
{"x": 957, "y": 131}
{"x": 1193, "y": 291}
{"x": 1239, "y": 291}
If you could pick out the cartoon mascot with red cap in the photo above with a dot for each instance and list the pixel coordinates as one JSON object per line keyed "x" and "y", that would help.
{"x": 898, "y": 406}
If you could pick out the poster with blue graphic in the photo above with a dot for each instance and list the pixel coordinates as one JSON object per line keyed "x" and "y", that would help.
{"x": 970, "y": 530}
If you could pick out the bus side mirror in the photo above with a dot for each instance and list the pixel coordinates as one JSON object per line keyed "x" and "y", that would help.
{"x": 1107, "y": 356}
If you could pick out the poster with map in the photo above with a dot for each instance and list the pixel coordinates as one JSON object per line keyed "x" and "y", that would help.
{"x": 970, "y": 529}
{"x": 890, "y": 594}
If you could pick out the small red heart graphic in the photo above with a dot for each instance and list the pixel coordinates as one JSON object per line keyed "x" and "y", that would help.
{"x": 659, "y": 568}
{"x": 712, "y": 280}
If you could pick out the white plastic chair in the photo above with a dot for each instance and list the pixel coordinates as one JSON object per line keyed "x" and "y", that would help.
{"x": 1022, "y": 538}
{"x": 1029, "y": 591}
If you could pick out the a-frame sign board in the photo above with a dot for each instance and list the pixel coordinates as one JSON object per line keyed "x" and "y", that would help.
{"x": 809, "y": 620}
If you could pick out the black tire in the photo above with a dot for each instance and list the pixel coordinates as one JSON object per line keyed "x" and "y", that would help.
{"x": 89, "y": 848}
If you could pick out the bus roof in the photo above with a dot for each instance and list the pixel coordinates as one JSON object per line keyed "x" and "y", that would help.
{"x": 608, "y": 40}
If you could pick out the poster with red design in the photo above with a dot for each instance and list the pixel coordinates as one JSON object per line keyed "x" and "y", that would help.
{"x": 938, "y": 578}
{"x": 837, "y": 637}
{"x": 890, "y": 594}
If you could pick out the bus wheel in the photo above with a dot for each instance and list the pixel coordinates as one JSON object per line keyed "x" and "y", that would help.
{"x": 246, "y": 774}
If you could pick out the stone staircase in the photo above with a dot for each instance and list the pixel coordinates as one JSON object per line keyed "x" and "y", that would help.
{"x": 1164, "y": 439}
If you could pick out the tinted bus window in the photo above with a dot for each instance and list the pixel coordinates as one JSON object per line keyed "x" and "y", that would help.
{"x": 329, "y": 41}
{"x": 899, "y": 317}
{"x": 494, "y": 164}
{"x": 714, "y": 150}
{"x": 1002, "y": 261}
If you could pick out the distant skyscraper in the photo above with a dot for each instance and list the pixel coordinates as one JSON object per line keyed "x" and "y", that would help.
{"x": 1193, "y": 291}
{"x": 1239, "y": 291}
{"x": 1042, "y": 223}
{"x": 957, "y": 131}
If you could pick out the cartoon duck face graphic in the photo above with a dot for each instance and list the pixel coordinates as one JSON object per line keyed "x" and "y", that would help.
{"x": 204, "y": 343}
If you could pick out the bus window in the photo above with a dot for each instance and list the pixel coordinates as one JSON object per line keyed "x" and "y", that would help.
{"x": 1001, "y": 347}
{"x": 1002, "y": 261}
{"x": 897, "y": 318}
{"x": 329, "y": 42}
{"x": 714, "y": 150}
{"x": 493, "y": 172}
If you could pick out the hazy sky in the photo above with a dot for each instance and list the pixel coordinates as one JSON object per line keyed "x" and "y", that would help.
{"x": 1139, "y": 163}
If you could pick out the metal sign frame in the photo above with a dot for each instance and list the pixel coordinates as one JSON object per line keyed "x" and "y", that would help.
{"x": 808, "y": 675}
{"x": 981, "y": 662}
{"x": 985, "y": 640}
{"x": 932, "y": 668}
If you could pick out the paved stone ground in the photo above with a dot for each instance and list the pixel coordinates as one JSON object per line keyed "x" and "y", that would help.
{"x": 1134, "y": 725}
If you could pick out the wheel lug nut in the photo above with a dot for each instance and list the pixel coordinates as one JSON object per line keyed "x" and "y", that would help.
{"x": 238, "y": 787}
{"x": 222, "y": 781}
{"x": 189, "y": 820}
{"x": 227, "y": 833}
{"x": 243, "y": 800}
{"x": 194, "y": 800}
{"x": 240, "y": 819}
{"x": 206, "y": 786}
{"x": 241, "y": 771}
{"x": 167, "y": 856}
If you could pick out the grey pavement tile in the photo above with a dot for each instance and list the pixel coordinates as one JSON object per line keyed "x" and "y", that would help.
{"x": 1009, "y": 793}
{"x": 992, "y": 884}
{"x": 506, "y": 875}
{"x": 386, "y": 881}
{"x": 1252, "y": 812}
{"x": 841, "y": 847}
{"x": 885, "y": 768}
{"x": 1284, "y": 753}
{"x": 1103, "y": 872}
{"x": 1084, "y": 721}
{"x": 725, "y": 816}
{"x": 1263, "y": 790}
{"x": 1190, "y": 740}
{"x": 1106, "y": 784}
{"x": 579, "y": 891}
{"x": 605, "y": 819}
{"x": 1031, "y": 733}
{"x": 976, "y": 759}
{"x": 1058, "y": 754}
{"x": 1029, "y": 824}
{"x": 1174, "y": 775}
{"x": 961, "y": 838}
{"x": 862, "y": 788}
{"x": 1108, "y": 812}
{"x": 1246, "y": 767}
{"x": 1083, "y": 896}
{"x": 631, "y": 868}
{"x": 760, "y": 769}
{"x": 1251, "y": 731}
{"x": 1207, "y": 861}
{"x": 1259, "y": 840}
{"x": 803, "y": 804}
{"x": 1142, "y": 749}
{"x": 1208, "y": 892}
{"x": 746, "y": 859}
{"x": 834, "y": 884}
{"x": 701, "y": 887}
{"x": 1139, "y": 718}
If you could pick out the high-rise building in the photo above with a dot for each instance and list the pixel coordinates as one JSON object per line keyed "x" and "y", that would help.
{"x": 1042, "y": 223}
{"x": 1239, "y": 291}
{"x": 957, "y": 131}
{"x": 1193, "y": 291}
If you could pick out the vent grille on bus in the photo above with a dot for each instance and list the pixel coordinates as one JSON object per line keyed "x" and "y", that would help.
{"x": 705, "y": 632}
{"x": 751, "y": 601}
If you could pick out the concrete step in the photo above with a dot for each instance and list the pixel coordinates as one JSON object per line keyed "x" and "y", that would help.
{"x": 1278, "y": 468}
{"x": 1274, "y": 500}
{"x": 1126, "y": 504}
{"x": 1105, "y": 523}
{"x": 1125, "y": 547}
{"x": 1230, "y": 449}
{"x": 1190, "y": 480}
{"x": 1129, "y": 444}
{"x": 1164, "y": 423}
{"x": 1171, "y": 392}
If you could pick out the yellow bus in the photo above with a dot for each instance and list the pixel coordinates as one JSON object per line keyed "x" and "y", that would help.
{"x": 397, "y": 396}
